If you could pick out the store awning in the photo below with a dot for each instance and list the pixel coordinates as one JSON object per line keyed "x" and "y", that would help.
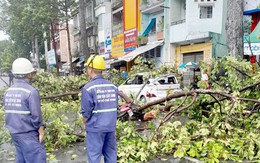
{"x": 130, "y": 56}
{"x": 80, "y": 63}
{"x": 149, "y": 27}
{"x": 108, "y": 62}
{"x": 250, "y": 12}
{"x": 66, "y": 65}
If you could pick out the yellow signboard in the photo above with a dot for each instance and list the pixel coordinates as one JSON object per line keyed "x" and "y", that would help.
{"x": 130, "y": 14}
{"x": 118, "y": 46}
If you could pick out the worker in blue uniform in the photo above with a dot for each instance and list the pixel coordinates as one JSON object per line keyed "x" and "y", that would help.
{"x": 23, "y": 115}
{"x": 99, "y": 104}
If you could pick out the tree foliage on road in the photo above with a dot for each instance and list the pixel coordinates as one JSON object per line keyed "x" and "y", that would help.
{"x": 220, "y": 126}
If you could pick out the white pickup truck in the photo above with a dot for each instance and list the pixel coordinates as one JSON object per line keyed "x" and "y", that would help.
{"x": 150, "y": 89}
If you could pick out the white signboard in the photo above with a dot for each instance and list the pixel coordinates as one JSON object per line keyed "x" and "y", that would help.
{"x": 51, "y": 57}
{"x": 255, "y": 47}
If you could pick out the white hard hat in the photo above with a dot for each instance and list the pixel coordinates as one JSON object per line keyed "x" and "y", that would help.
{"x": 22, "y": 66}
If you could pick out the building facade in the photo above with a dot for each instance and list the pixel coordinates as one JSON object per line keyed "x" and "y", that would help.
{"x": 167, "y": 31}
{"x": 197, "y": 30}
{"x": 64, "y": 49}
{"x": 91, "y": 27}
{"x": 104, "y": 27}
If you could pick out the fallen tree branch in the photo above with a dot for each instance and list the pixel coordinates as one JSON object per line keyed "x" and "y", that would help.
{"x": 229, "y": 111}
{"x": 181, "y": 94}
{"x": 241, "y": 90}
{"x": 220, "y": 107}
{"x": 249, "y": 86}
{"x": 60, "y": 95}
{"x": 240, "y": 71}
{"x": 168, "y": 116}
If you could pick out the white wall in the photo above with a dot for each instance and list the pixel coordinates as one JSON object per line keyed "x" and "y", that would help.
{"x": 195, "y": 25}
{"x": 250, "y": 4}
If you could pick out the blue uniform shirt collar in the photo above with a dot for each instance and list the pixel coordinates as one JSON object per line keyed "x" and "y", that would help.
{"x": 97, "y": 77}
{"x": 22, "y": 81}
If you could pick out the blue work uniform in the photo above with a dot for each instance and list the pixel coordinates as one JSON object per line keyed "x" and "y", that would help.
{"x": 99, "y": 104}
{"x": 23, "y": 118}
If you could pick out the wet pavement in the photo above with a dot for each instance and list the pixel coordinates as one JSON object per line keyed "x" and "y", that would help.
{"x": 76, "y": 152}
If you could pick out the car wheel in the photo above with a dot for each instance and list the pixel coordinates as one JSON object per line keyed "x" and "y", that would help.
{"x": 143, "y": 100}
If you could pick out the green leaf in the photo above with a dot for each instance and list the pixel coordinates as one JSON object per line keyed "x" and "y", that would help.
{"x": 179, "y": 153}
{"x": 192, "y": 152}
{"x": 204, "y": 132}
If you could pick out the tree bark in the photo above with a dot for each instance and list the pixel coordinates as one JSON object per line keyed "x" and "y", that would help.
{"x": 234, "y": 28}
{"x": 46, "y": 51}
{"x": 83, "y": 32}
{"x": 33, "y": 47}
{"x": 68, "y": 36}
{"x": 54, "y": 46}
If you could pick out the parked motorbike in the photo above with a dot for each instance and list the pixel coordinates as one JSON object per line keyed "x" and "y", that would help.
{"x": 129, "y": 111}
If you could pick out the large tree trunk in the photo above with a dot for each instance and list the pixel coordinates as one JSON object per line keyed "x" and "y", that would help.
{"x": 83, "y": 32}
{"x": 234, "y": 28}
{"x": 33, "y": 47}
{"x": 46, "y": 51}
{"x": 54, "y": 46}
{"x": 68, "y": 36}
{"x": 69, "y": 48}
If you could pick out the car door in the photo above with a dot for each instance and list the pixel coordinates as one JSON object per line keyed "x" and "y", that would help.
{"x": 166, "y": 85}
{"x": 132, "y": 87}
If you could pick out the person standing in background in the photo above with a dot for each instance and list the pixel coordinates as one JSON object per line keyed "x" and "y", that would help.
{"x": 11, "y": 78}
{"x": 205, "y": 79}
{"x": 23, "y": 115}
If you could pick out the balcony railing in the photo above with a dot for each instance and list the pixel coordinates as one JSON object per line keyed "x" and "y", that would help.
{"x": 117, "y": 4}
{"x": 98, "y": 2}
{"x": 178, "y": 22}
{"x": 145, "y": 4}
{"x": 90, "y": 21}
{"x": 117, "y": 29}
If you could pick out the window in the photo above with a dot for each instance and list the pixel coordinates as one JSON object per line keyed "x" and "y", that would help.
{"x": 205, "y": 12}
{"x": 152, "y": 53}
{"x": 146, "y": 54}
{"x": 171, "y": 80}
{"x": 100, "y": 22}
{"x": 158, "y": 51}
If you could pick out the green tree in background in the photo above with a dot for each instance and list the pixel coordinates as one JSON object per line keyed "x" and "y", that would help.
{"x": 25, "y": 22}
